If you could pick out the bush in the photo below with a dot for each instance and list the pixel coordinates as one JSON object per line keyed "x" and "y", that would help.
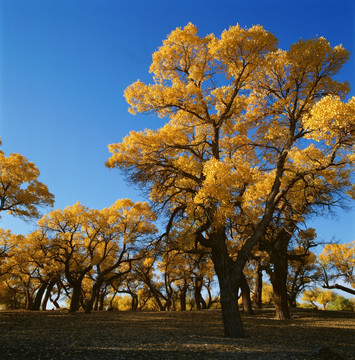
{"x": 341, "y": 303}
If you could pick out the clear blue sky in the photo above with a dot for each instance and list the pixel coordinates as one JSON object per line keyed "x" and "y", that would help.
{"x": 65, "y": 64}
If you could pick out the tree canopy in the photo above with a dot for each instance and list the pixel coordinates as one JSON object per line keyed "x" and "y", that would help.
{"x": 252, "y": 131}
{"x": 20, "y": 192}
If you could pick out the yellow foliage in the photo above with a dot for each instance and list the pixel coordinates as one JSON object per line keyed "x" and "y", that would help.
{"x": 331, "y": 120}
{"x": 342, "y": 257}
{"x": 20, "y": 191}
{"x": 242, "y": 120}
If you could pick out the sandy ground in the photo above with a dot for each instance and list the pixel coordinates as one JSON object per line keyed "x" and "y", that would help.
{"x": 174, "y": 335}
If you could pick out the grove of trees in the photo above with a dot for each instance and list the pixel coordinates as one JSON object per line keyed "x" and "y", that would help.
{"x": 257, "y": 141}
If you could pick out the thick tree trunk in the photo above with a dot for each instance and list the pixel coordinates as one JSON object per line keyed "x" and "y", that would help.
{"x": 232, "y": 322}
{"x": 134, "y": 303}
{"x": 75, "y": 298}
{"x": 39, "y": 295}
{"x": 278, "y": 280}
{"x": 280, "y": 299}
{"x": 278, "y": 276}
{"x": 223, "y": 264}
{"x": 258, "y": 286}
{"x": 94, "y": 295}
{"x": 247, "y": 308}
{"x": 183, "y": 300}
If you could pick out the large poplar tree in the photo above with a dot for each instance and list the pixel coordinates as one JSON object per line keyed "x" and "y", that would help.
{"x": 249, "y": 128}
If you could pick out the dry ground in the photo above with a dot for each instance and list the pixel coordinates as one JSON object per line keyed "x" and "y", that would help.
{"x": 179, "y": 335}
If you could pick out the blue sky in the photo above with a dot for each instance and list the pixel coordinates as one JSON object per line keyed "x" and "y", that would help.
{"x": 64, "y": 65}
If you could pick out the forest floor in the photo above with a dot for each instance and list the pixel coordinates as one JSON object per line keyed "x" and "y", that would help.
{"x": 194, "y": 335}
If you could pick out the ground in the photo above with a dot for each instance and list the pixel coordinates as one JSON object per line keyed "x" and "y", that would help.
{"x": 174, "y": 335}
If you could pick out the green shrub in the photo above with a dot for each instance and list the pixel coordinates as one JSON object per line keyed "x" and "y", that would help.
{"x": 341, "y": 303}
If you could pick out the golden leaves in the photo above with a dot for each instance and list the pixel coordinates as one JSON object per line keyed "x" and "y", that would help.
{"x": 331, "y": 120}
{"x": 20, "y": 191}
{"x": 342, "y": 258}
{"x": 237, "y": 106}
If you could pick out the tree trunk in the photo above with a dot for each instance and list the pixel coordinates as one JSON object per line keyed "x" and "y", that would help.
{"x": 258, "y": 286}
{"x": 75, "y": 298}
{"x": 281, "y": 304}
{"x": 223, "y": 264}
{"x": 292, "y": 299}
{"x": 278, "y": 280}
{"x": 278, "y": 276}
{"x": 134, "y": 303}
{"x": 28, "y": 297}
{"x": 48, "y": 293}
{"x": 94, "y": 295}
{"x": 39, "y": 295}
{"x": 247, "y": 308}
{"x": 102, "y": 301}
{"x": 200, "y": 301}
{"x": 183, "y": 300}
{"x": 96, "y": 304}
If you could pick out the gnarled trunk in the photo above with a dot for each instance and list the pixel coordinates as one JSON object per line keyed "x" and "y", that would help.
{"x": 75, "y": 298}
{"x": 228, "y": 286}
{"x": 94, "y": 296}
{"x": 39, "y": 295}
{"x": 48, "y": 293}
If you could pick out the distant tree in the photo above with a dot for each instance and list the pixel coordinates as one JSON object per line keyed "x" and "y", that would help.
{"x": 319, "y": 296}
{"x": 118, "y": 231}
{"x": 311, "y": 296}
{"x": 337, "y": 262}
{"x": 20, "y": 192}
{"x": 72, "y": 251}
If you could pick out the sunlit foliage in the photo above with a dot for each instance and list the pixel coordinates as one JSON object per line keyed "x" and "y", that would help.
{"x": 251, "y": 130}
{"x": 20, "y": 192}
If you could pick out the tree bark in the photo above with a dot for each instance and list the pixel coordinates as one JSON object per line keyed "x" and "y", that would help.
{"x": 29, "y": 299}
{"x": 47, "y": 295}
{"x": 258, "y": 285}
{"x": 182, "y": 297}
{"x": 200, "y": 301}
{"x": 39, "y": 295}
{"x": 279, "y": 283}
{"x": 223, "y": 264}
{"x": 280, "y": 299}
{"x": 93, "y": 297}
{"x": 75, "y": 298}
{"x": 247, "y": 308}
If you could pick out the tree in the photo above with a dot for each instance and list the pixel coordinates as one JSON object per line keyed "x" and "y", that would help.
{"x": 249, "y": 126}
{"x": 311, "y": 296}
{"x": 118, "y": 231}
{"x": 322, "y": 297}
{"x": 20, "y": 192}
{"x": 72, "y": 251}
{"x": 301, "y": 265}
{"x": 337, "y": 261}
